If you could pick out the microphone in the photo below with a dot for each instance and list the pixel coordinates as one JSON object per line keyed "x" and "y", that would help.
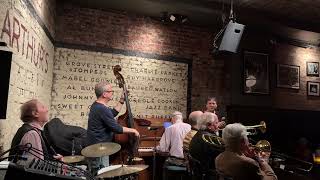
{"x": 152, "y": 128}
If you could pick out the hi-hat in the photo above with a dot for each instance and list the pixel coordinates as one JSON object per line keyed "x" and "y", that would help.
{"x": 123, "y": 170}
{"x": 101, "y": 149}
{"x": 72, "y": 159}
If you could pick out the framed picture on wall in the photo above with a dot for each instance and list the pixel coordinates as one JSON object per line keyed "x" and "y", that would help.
{"x": 288, "y": 76}
{"x": 256, "y": 73}
{"x": 313, "y": 69}
{"x": 313, "y": 88}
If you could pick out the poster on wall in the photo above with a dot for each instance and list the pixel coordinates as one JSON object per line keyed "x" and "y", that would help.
{"x": 288, "y": 76}
{"x": 156, "y": 87}
{"x": 313, "y": 69}
{"x": 313, "y": 88}
{"x": 256, "y": 73}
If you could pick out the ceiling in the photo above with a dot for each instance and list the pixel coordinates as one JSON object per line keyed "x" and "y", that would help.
{"x": 298, "y": 20}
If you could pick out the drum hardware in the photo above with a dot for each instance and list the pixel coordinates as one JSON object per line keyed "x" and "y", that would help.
{"x": 101, "y": 149}
{"x": 108, "y": 168}
{"x": 72, "y": 159}
{"x": 122, "y": 171}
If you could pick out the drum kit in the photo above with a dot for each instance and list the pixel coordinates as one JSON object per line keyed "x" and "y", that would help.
{"x": 109, "y": 172}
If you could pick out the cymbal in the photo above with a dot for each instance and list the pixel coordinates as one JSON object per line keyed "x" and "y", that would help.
{"x": 72, "y": 159}
{"x": 101, "y": 149}
{"x": 123, "y": 170}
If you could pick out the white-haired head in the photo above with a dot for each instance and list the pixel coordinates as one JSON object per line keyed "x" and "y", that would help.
{"x": 194, "y": 118}
{"x": 208, "y": 121}
{"x": 234, "y": 135}
{"x": 176, "y": 116}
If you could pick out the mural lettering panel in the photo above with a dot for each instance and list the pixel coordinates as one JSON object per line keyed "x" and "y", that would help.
{"x": 156, "y": 87}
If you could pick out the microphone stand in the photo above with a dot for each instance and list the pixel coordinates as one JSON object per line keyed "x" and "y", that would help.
{"x": 22, "y": 147}
{"x": 72, "y": 150}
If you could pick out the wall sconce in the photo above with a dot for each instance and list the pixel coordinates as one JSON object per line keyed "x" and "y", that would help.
{"x": 175, "y": 18}
{"x": 178, "y": 18}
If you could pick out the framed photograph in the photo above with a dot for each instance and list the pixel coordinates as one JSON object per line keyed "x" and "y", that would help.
{"x": 313, "y": 88}
{"x": 256, "y": 73}
{"x": 313, "y": 69}
{"x": 288, "y": 76}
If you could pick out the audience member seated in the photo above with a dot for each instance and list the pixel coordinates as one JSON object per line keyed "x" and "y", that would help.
{"x": 303, "y": 150}
{"x": 202, "y": 150}
{"x": 234, "y": 163}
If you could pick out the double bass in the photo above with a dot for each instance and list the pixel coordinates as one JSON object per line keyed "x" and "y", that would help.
{"x": 129, "y": 142}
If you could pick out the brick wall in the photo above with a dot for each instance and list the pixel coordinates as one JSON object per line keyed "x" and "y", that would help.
{"x": 280, "y": 52}
{"x": 46, "y": 10}
{"x": 290, "y": 98}
{"x": 125, "y": 31}
{"x": 32, "y": 62}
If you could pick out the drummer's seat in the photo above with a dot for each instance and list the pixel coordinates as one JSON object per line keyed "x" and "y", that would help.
{"x": 172, "y": 171}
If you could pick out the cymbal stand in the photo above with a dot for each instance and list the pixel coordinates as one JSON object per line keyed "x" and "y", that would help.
{"x": 72, "y": 150}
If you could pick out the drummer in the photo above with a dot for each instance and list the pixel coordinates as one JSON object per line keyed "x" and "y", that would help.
{"x": 101, "y": 122}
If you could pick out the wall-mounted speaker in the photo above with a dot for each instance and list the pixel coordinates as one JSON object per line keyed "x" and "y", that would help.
{"x": 231, "y": 37}
{"x": 5, "y": 68}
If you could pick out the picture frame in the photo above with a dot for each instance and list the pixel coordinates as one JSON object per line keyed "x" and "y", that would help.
{"x": 313, "y": 88}
{"x": 256, "y": 73}
{"x": 312, "y": 69}
{"x": 288, "y": 76}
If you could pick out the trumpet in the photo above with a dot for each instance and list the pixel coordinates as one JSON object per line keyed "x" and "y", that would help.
{"x": 216, "y": 141}
{"x": 262, "y": 149}
{"x": 262, "y": 146}
{"x": 253, "y": 129}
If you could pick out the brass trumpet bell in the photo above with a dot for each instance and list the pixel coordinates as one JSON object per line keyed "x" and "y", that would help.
{"x": 263, "y": 146}
{"x": 262, "y": 150}
{"x": 262, "y": 127}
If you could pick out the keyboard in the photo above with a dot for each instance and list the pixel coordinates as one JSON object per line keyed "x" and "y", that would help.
{"x": 146, "y": 149}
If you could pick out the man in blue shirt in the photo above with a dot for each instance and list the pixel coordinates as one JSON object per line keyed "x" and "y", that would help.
{"x": 101, "y": 122}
